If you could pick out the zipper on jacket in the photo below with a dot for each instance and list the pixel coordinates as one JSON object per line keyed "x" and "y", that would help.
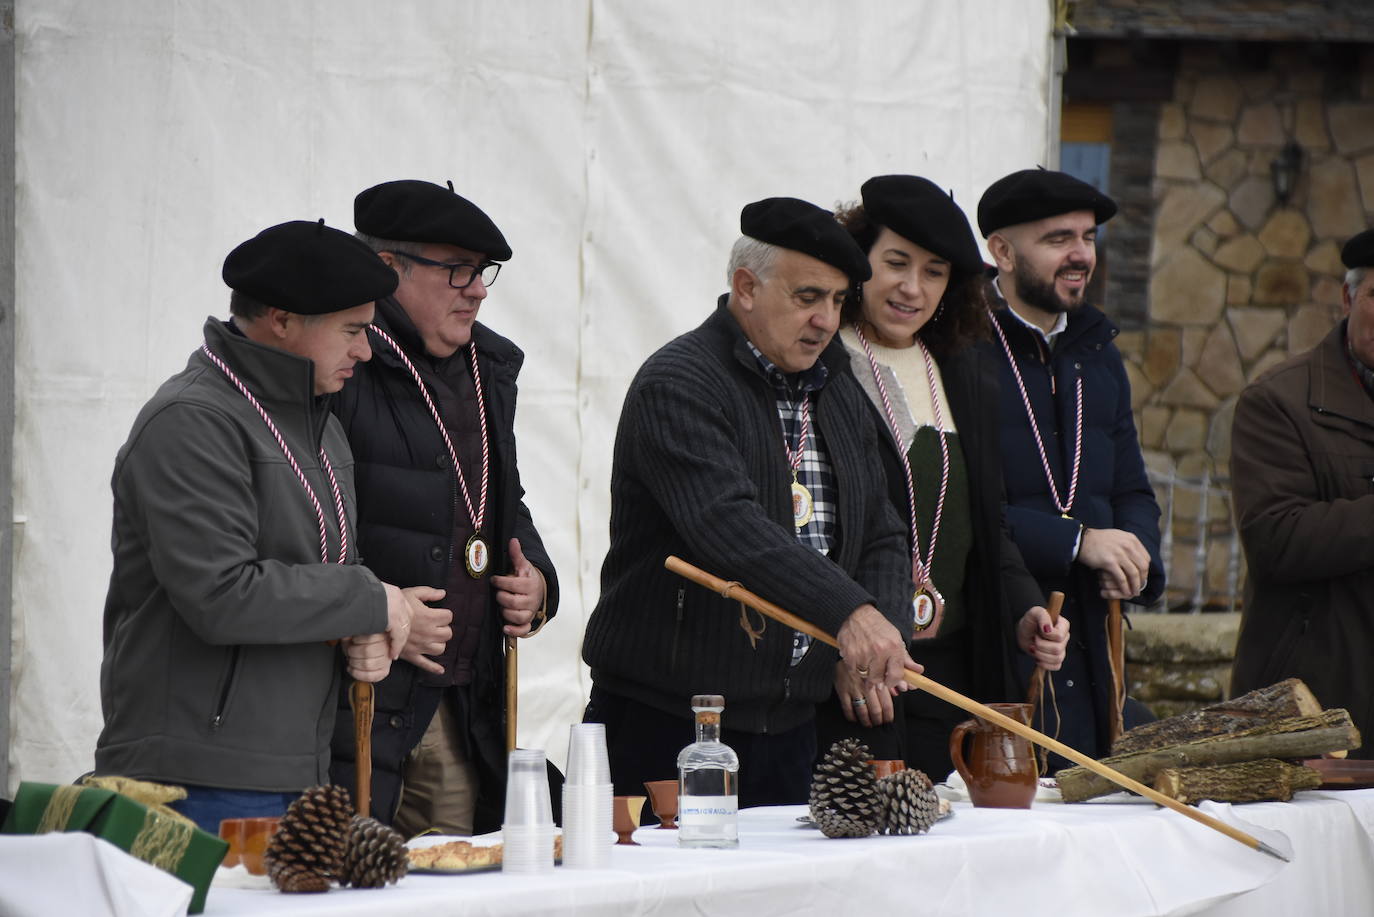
{"x": 677, "y": 626}
{"x": 218, "y": 719}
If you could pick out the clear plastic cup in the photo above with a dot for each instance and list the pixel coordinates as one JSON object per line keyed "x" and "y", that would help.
{"x": 587, "y": 826}
{"x": 527, "y": 789}
{"x": 588, "y": 762}
{"x": 527, "y": 848}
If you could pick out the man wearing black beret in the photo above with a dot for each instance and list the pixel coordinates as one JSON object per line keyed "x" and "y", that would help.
{"x": 1302, "y": 456}
{"x": 235, "y": 558}
{"x": 432, "y": 423}
{"x": 745, "y": 447}
{"x": 1079, "y": 503}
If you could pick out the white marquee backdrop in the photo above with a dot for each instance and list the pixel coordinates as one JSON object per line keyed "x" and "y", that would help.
{"x": 614, "y": 142}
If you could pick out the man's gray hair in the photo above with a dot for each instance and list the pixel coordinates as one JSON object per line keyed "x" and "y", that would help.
{"x": 1353, "y": 278}
{"x": 758, "y": 257}
{"x": 392, "y": 245}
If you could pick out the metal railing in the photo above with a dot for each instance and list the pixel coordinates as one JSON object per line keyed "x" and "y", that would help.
{"x": 1198, "y": 542}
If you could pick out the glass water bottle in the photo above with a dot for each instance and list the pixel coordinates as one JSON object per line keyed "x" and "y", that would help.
{"x": 708, "y": 782}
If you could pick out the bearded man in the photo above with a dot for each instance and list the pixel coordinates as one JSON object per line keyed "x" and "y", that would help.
{"x": 1079, "y": 505}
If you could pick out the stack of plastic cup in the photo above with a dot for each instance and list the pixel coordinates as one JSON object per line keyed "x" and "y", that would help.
{"x": 587, "y": 795}
{"x": 528, "y": 831}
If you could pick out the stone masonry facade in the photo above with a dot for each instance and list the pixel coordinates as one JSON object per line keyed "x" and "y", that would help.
{"x": 1237, "y": 281}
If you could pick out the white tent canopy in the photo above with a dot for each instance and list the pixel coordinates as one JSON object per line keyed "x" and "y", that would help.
{"x": 614, "y": 142}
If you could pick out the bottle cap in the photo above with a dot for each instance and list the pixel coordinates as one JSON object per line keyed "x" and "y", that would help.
{"x": 707, "y": 700}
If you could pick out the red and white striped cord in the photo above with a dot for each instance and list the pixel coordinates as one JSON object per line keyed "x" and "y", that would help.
{"x": 922, "y": 566}
{"x": 1062, "y": 505}
{"x": 794, "y": 459}
{"x": 295, "y": 466}
{"x": 480, "y": 513}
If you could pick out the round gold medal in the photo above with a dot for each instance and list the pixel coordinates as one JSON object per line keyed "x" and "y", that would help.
{"x": 477, "y": 556}
{"x": 802, "y": 504}
{"x": 927, "y": 603}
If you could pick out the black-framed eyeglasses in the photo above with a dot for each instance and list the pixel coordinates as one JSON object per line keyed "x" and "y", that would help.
{"x": 460, "y": 276}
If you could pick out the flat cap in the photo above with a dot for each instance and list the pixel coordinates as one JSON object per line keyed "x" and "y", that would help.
{"x": 421, "y": 211}
{"x": 917, "y": 209}
{"x": 308, "y": 268}
{"x": 1033, "y": 194}
{"x": 806, "y": 228}
{"x": 1359, "y": 251}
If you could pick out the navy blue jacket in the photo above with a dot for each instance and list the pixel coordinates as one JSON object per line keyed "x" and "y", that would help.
{"x": 1113, "y": 490}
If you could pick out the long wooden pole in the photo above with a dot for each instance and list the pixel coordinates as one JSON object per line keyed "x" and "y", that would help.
{"x": 512, "y": 691}
{"x": 1116, "y": 651}
{"x": 361, "y": 695}
{"x": 731, "y": 590}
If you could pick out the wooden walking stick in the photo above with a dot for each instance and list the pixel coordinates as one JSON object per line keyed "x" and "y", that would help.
{"x": 731, "y": 590}
{"x": 361, "y": 696}
{"x": 1037, "y": 681}
{"x": 1116, "y": 656}
{"x": 512, "y": 690}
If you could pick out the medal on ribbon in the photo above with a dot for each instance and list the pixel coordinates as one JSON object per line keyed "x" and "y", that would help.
{"x": 927, "y": 605}
{"x": 803, "y": 504}
{"x": 476, "y": 553}
{"x": 477, "y": 556}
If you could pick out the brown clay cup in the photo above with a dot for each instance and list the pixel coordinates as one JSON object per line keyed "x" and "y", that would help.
{"x": 625, "y": 818}
{"x": 231, "y": 830}
{"x": 248, "y": 839}
{"x": 886, "y": 767}
{"x": 1000, "y": 770}
{"x": 663, "y": 800}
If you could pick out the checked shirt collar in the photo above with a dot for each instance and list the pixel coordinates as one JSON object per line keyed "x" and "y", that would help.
{"x": 815, "y": 473}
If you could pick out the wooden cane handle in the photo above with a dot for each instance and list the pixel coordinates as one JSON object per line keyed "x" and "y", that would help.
{"x": 361, "y": 696}
{"x": 1037, "y": 679}
{"x": 736, "y": 592}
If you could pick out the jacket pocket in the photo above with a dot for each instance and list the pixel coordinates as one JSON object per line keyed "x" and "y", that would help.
{"x": 226, "y": 689}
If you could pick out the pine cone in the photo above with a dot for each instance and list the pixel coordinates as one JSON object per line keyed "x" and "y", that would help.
{"x": 293, "y": 877}
{"x": 844, "y": 797}
{"x": 908, "y": 804}
{"x": 307, "y": 850}
{"x": 376, "y": 855}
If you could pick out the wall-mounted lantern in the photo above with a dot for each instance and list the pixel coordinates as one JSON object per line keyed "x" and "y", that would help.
{"x": 1284, "y": 171}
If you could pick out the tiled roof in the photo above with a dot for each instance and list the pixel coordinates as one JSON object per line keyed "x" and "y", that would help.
{"x": 1239, "y": 20}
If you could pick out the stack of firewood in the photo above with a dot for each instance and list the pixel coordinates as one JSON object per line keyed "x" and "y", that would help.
{"x": 1242, "y": 750}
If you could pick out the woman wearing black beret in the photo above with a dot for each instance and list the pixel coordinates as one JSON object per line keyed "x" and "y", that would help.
{"x": 908, "y": 330}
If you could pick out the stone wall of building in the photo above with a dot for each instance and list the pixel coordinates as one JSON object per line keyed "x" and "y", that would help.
{"x": 1177, "y": 663}
{"x": 1239, "y": 282}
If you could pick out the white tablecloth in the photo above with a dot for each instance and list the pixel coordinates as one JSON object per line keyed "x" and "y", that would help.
{"x": 1114, "y": 858}
{"x": 50, "y": 874}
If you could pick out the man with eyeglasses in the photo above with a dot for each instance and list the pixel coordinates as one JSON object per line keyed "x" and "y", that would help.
{"x": 431, "y": 422}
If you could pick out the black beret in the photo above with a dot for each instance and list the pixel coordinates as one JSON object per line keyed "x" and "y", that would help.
{"x": 917, "y": 209}
{"x": 1359, "y": 251}
{"x": 420, "y": 211}
{"x": 806, "y": 228}
{"x": 308, "y": 268}
{"x": 1033, "y": 194}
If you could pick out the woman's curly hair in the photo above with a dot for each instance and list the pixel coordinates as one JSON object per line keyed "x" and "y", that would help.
{"x": 962, "y": 317}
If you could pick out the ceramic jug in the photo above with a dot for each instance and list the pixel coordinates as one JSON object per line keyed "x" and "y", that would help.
{"x": 1000, "y": 769}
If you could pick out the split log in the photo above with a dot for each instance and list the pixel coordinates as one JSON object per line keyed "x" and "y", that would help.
{"x": 1246, "y": 781}
{"x": 1288, "y": 698}
{"x": 1292, "y": 737}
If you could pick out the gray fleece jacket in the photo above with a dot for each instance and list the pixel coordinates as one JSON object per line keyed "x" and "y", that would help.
{"x": 217, "y": 671}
